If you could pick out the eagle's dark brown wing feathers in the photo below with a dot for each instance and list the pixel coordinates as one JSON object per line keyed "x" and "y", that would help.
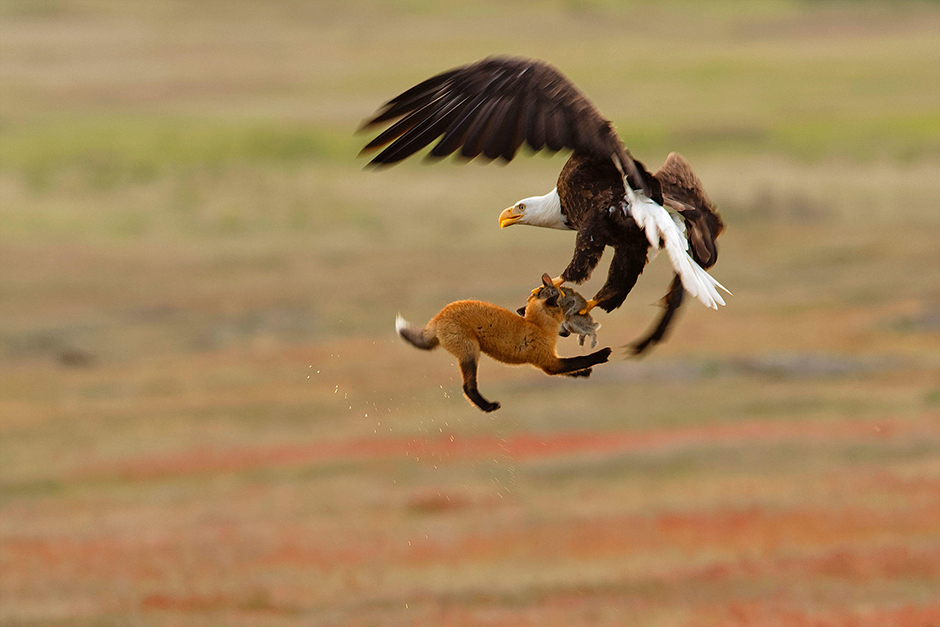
{"x": 402, "y": 126}
{"x": 457, "y": 131}
{"x": 523, "y": 101}
{"x": 535, "y": 123}
{"x": 482, "y": 122}
{"x": 556, "y": 136}
{"x": 512, "y": 130}
{"x": 409, "y": 100}
{"x": 503, "y": 129}
{"x": 473, "y": 119}
{"x": 420, "y": 134}
{"x": 487, "y": 132}
{"x": 683, "y": 191}
{"x": 680, "y": 182}
{"x": 671, "y": 303}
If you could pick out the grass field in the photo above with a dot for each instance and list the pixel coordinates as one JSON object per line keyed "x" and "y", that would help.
{"x": 205, "y": 415}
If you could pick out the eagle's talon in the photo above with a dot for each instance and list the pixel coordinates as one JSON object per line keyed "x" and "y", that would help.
{"x": 591, "y": 304}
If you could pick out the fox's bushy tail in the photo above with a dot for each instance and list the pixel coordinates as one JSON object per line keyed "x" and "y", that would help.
{"x": 425, "y": 338}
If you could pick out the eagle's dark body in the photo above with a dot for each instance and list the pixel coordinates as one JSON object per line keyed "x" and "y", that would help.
{"x": 591, "y": 192}
{"x": 490, "y": 108}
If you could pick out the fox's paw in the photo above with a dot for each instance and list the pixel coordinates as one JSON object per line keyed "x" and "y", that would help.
{"x": 580, "y": 373}
{"x": 603, "y": 355}
{"x": 490, "y": 407}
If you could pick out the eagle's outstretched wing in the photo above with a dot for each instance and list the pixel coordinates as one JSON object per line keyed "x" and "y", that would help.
{"x": 491, "y": 108}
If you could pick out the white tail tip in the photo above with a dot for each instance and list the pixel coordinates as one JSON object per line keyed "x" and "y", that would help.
{"x": 400, "y": 324}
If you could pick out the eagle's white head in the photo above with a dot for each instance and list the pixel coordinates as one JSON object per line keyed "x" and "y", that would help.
{"x": 537, "y": 211}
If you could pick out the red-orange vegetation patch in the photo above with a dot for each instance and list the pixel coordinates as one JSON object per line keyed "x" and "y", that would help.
{"x": 890, "y": 483}
{"x": 802, "y": 543}
{"x": 519, "y": 447}
{"x": 890, "y": 563}
{"x": 776, "y": 614}
{"x": 326, "y": 558}
{"x": 81, "y": 558}
{"x": 754, "y": 531}
{"x": 769, "y": 529}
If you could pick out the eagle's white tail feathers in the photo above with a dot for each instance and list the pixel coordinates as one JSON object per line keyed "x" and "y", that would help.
{"x": 663, "y": 230}
{"x": 680, "y": 223}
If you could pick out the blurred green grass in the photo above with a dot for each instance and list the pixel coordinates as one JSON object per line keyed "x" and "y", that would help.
{"x": 851, "y": 88}
{"x": 108, "y": 153}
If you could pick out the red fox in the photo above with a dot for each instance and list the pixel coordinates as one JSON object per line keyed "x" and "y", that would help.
{"x": 466, "y": 328}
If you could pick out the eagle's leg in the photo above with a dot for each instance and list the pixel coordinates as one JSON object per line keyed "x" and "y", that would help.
{"x": 588, "y": 306}
{"x": 588, "y": 250}
{"x": 625, "y": 269}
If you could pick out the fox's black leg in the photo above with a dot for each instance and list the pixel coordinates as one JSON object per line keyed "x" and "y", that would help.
{"x": 573, "y": 364}
{"x": 579, "y": 373}
{"x": 468, "y": 369}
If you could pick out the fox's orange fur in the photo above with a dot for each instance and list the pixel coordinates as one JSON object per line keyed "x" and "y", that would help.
{"x": 466, "y": 328}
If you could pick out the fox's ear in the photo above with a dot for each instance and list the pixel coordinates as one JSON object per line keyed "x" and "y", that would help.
{"x": 547, "y": 280}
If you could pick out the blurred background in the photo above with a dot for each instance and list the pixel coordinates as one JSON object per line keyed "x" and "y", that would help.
{"x": 206, "y": 416}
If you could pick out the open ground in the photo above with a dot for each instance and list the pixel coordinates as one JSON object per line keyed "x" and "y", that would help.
{"x": 205, "y": 415}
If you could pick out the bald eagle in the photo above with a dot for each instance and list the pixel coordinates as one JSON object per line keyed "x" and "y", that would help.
{"x": 492, "y": 107}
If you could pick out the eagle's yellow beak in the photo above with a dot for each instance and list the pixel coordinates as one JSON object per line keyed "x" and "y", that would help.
{"x": 509, "y": 217}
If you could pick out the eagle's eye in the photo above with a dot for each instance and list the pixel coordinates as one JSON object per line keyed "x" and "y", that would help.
{"x": 521, "y": 206}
